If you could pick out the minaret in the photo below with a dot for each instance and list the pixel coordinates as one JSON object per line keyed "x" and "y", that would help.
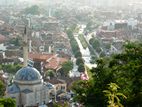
{"x": 25, "y": 47}
{"x": 30, "y": 46}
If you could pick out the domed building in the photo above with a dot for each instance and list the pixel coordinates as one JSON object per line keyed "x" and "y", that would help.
{"x": 28, "y": 88}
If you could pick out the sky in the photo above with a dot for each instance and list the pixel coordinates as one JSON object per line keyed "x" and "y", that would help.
{"x": 34, "y": 1}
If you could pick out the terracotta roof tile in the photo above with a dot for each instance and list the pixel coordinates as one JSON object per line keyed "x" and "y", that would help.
{"x": 55, "y": 63}
{"x": 51, "y": 61}
{"x": 40, "y": 57}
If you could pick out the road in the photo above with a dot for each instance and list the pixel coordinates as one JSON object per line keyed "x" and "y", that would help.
{"x": 86, "y": 55}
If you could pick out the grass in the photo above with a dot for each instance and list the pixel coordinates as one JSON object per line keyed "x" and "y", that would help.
{"x": 83, "y": 41}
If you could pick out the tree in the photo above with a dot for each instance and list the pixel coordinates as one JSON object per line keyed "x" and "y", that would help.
{"x": 93, "y": 59}
{"x": 11, "y": 68}
{"x": 7, "y": 102}
{"x": 81, "y": 68}
{"x": 66, "y": 67}
{"x": 2, "y": 88}
{"x": 79, "y": 61}
{"x": 15, "y": 41}
{"x": 127, "y": 68}
{"x": 50, "y": 73}
{"x": 124, "y": 69}
{"x": 84, "y": 92}
{"x": 78, "y": 54}
{"x": 113, "y": 95}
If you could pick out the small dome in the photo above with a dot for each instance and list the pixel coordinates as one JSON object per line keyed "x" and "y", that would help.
{"x": 28, "y": 74}
{"x": 13, "y": 89}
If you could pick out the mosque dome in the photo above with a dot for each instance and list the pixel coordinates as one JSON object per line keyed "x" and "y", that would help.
{"x": 13, "y": 89}
{"x": 27, "y": 75}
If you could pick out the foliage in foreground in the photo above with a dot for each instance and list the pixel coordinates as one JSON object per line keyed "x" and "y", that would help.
{"x": 7, "y": 102}
{"x": 113, "y": 95}
{"x": 124, "y": 69}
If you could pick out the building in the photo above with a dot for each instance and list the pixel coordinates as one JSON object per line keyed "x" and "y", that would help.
{"x": 47, "y": 61}
{"x": 29, "y": 89}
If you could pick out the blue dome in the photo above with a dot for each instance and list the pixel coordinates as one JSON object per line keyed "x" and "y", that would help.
{"x": 13, "y": 89}
{"x": 28, "y": 74}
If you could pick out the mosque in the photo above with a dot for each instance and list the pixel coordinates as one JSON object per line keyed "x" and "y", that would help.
{"x": 28, "y": 87}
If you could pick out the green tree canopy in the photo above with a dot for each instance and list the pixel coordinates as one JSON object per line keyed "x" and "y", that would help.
{"x": 50, "y": 73}
{"x": 7, "y": 102}
{"x": 78, "y": 54}
{"x": 2, "y": 88}
{"x": 66, "y": 67}
{"x": 79, "y": 61}
{"x": 11, "y": 68}
{"x": 113, "y": 95}
{"x": 81, "y": 68}
{"x": 124, "y": 69}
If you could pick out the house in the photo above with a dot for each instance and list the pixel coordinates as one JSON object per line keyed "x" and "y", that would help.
{"x": 47, "y": 61}
{"x": 60, "y": 86}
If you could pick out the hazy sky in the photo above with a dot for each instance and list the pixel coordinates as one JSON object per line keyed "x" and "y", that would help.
{"x": 32, "y": 0}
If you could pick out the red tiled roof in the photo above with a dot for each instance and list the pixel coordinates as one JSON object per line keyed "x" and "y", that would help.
{"x": 40, "y": 57}
{"x": 55, "y": 63}
{"x": 51, "y": 61}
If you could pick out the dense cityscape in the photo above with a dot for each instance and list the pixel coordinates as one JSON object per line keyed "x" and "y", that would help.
{"x": 70, "y": 53}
